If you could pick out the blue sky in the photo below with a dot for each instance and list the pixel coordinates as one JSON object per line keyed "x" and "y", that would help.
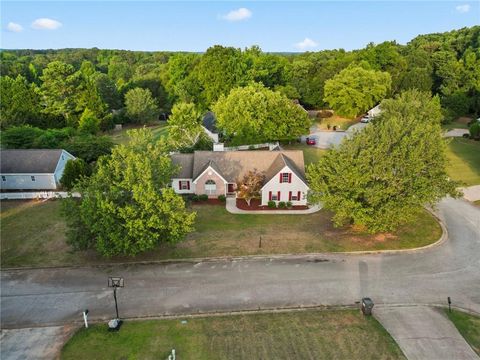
{"x": 194, "y": 26}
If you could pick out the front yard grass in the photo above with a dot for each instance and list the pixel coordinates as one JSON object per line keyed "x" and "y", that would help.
{"x": 468, "y": 326}
{"x": 339, "y": 334}
{"x": 32, "y": 234}
{"x": 464, "y": 160}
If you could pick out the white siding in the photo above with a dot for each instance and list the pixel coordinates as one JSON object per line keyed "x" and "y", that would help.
{"x": 176, "y": 186}
{"x": 274, "y": 185}
{"x": 61, "y": 165}
{"x": 24, "y": 182}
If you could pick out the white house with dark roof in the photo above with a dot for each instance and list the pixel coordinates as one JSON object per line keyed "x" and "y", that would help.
{"x": 217, "y": 173}
{"x": 32, "y": 169}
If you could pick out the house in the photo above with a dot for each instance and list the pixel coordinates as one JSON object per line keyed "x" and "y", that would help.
{"x": 35, "y": 169}
{"x": 209, "y": 126}
{"x": 374, "y": 111}
{"x": 217, "y": 173}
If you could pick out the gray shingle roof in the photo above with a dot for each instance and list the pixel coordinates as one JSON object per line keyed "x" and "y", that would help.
{"x": 31, "y": 161}
{"x": 210, "y": 122}
{"x": 233, "y": 165}
{"x": 185, "y": 161}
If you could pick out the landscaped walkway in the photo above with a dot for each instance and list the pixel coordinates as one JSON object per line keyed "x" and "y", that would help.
{"x": 231, "y": 206}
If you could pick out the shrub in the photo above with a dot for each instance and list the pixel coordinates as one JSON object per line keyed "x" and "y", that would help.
{"x": 475, "y": 130}
{"x": 282, "y": 205}
{"x": 74, "y": 170}
{"x": 289, "y": 204}
{"x": 272, "y": 205}
{"x": 203, "y": 197}
{"x": 222, "y": 198}
{"x": 195, "y": 198}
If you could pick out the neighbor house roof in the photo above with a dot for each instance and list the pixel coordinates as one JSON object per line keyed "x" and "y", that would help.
{"x": 31, "y": 161}
{"x": 210, "y": 122}
{"x": 233, "y": 165}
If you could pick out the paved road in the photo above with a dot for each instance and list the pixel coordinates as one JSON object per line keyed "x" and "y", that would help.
{"x": 57, "y": 296}
{"x": 424, "y": 333}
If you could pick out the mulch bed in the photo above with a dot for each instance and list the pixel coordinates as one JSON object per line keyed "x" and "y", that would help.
{"x": 255, "y": 204}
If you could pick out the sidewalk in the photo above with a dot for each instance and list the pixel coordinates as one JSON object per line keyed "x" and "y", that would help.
{"x": 231, "y": 206}
{"x": 424, "y": 333}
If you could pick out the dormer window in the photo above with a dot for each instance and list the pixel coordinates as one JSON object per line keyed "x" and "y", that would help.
{"x": 285, "y": 177}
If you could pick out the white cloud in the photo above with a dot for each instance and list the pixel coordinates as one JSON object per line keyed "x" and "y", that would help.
{"x": 463, "y": 8}
{"x": 14, "y": 27}
{"x": 305, "y": 44}
{"x": 238, "y": 15}
{"x": 46, "y": 24}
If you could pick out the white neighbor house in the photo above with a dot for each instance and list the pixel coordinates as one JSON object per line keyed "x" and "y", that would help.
{"x": 33, "y": 169}
{"x": 217, "y": 173}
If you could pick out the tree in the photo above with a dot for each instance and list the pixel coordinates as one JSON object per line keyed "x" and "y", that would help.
{"x": 58, "y": 90}
{"x": 127, "y": 205}
{"x": 89, "y": 123}
{"x": 254, "y": 114}
{"x": 74, "y": 171}
{"x": 384, "y": 174}
{"x": 141, "y": 107}
{"x": 250, "y": 187}
{"x": 20, "y": 103}
{"x": 355, "y": 89}
{"x": 185, "y": 128}
{"x": 220, "y": 69}
{"x": 88, "y": 147}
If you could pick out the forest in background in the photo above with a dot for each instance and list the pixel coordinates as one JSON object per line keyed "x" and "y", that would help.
{"x": 55, "y": 88}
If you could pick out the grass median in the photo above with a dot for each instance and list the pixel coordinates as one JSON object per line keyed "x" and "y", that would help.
{"x": 340, "y": 334}
{"x": 468, "y": 326}
{"x": 33, "y": 234}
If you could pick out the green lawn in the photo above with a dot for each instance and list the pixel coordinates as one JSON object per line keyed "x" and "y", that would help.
{"x": 464, "y": 160}
{"x": 159, "y": 129}
{"x": 33, "y": 235}
{"x": 310, "y": 334}
{"x": 311, "y": 154}
{"x": 467, "y": 325}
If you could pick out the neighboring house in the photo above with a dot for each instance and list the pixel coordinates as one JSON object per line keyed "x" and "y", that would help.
{"x": 374, "y": 111}
{"x": 217, "y": 173}
{"x": 209, "y": 126}
{"x": 32, "y": 169}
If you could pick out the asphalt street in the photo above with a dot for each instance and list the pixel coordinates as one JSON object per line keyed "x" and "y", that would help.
{"x": 58, "y": 296}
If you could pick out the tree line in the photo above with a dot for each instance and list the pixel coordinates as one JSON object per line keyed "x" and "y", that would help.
{"x": 53, "y": 88}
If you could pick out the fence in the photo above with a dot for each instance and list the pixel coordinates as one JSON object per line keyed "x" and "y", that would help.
{"x": 270, "y": 147}
{"x": 35, "y": 195}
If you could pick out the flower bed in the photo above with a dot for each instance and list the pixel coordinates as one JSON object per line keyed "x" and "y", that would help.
{"x": 255, "y": 204}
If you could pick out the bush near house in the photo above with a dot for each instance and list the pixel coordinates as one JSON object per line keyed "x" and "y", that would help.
{"x": 271, "y": 204}
{"x": 222, "y": 198}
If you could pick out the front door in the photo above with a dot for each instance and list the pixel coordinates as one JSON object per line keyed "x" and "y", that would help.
{"x": 231, "y": 188}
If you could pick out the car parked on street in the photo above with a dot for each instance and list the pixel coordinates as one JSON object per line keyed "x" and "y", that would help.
{"x": 366, "y": 119}
{"x": 311, "y": 141}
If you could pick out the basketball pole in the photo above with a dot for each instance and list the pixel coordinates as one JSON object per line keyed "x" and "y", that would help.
{"x": 115, "y": 297}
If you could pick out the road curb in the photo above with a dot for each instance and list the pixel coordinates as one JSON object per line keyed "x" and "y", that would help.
{"x": 307, "y": 256}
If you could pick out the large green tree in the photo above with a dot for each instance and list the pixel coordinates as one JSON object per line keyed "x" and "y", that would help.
{"x": 185, "y": 127}
{"x": 19, "y": 104}
{"x": 384, "y": 174}
{"x": 58, "y": 90}
{"x": 254, "y": 114}
{"x": 127, "y": 205}
{"x": 356, "y": 89}
{"x": 141, "y": 107}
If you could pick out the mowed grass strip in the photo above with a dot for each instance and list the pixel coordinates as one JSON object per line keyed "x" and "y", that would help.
{"x": 468, "y": 326}
{"x": 33, "y": 234}
{"x": 311, "y": 154}
{"x": 339, "y": 334}
{"x": 464, "y": 160}
{"x": 159, "y": 130}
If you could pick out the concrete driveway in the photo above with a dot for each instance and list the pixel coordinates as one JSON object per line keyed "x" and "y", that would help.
{"x": 326, "y": 139}
{"x": 58, "y": 296}
{"x": 424, "y": 333}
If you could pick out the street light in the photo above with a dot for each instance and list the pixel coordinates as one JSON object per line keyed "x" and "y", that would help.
{"x": 115, "y": 282}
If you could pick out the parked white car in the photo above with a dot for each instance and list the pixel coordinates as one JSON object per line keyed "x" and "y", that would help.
{"x": 366, "y": 119}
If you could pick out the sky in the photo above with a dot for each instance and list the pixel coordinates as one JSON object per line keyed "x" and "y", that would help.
{"x": 275, "y": 26}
